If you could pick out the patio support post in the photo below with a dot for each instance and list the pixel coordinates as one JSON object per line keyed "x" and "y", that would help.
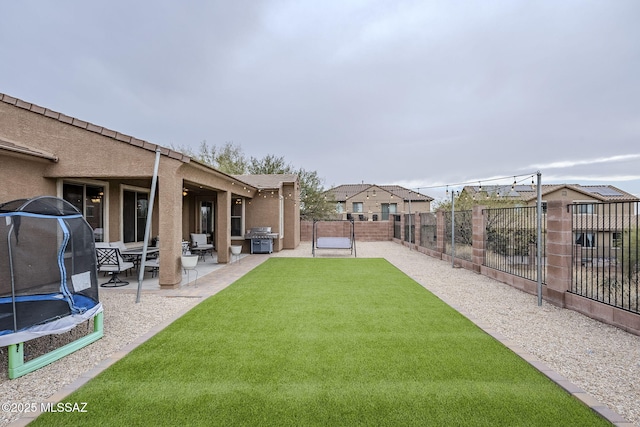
{"x": 170, "y": 227}
{"x": 223, "y": 225}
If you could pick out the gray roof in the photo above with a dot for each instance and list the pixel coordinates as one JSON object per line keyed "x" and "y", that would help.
{"x": 605, "y": 193}
{"x": 92, "y": 128}
{"x": 346, "y": 191}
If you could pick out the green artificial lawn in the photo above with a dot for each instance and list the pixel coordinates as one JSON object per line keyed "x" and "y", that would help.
{"x": 324, "y": 342}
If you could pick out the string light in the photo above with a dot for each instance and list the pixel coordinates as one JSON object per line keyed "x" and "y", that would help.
{"x": 527, "y": 176}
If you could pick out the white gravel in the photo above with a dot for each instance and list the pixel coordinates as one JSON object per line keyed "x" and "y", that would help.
{"x": 600, "y": 359}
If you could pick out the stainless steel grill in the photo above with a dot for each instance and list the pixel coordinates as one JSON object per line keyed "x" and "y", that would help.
{"x": 261, "y": 240}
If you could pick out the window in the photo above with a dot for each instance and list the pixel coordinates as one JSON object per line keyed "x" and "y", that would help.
{"x": 584, "y": 208}
{"x": 206, "y": 218}
{"x": 135, "y": 206}
{"x": 616, "y": 239}
{"x": 237, "y": 207}
{"x": 587, "y": 240}
{"x": 88, "y": 199}
{"x": 339, "y": 207}
{"x": 388, "y": 208}
{"x": 357, "y": 207}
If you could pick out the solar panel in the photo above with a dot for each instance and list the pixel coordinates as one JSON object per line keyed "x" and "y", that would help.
{"x": 603, "y": 191}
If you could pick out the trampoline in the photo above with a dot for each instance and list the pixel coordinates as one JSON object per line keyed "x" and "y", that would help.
{"x": 48, "y": 278}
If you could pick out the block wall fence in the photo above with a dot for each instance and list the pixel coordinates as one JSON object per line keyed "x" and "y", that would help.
{"x": 559, "y": 273}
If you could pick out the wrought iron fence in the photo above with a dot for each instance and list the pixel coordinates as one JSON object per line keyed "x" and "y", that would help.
{"x": 409, "y": 228}
{"x": 428, "y": 230}
{"x": 511, "y": 241}
{"x": 606, "y": 253}
{"x": 397, "y": 230}
{"x": 463, "y": 237}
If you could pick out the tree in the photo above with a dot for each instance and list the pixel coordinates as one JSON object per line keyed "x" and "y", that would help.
{"x": 465, "y": 202}
{"x": 313, "y": 202}
{"x": 230, "y": 159}
{"x": 269, "y": 164}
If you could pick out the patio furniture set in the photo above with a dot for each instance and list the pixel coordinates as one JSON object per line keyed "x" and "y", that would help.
{"x": 115, "y": 258}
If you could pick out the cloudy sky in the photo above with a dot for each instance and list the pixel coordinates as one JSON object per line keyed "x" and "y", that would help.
{"x": 417, "y": 93}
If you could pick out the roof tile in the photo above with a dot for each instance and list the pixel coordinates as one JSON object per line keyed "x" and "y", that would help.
{"x": 26, "y": 105}
{"x": 65, "y": 119}
{"x": 80, "y": 123}
{"x": 52, "y": 114}
{"x": 137, "y": 142}
{"x": 9, "y": 99}
{"x": 122, "y": 137}
{"x": 93, "y": 128}
{"x": 37, "y": 109}
{"x": 108, "y": 132}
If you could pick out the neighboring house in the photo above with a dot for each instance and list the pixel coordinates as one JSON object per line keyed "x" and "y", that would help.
{"x": 596, "y": 219}
{"x": 526, "y": 195}
{"x": 369, "y": 202}
{"x": 107, "y": 176}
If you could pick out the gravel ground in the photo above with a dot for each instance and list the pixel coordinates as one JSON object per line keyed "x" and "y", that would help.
{"x": 600, "y": 359}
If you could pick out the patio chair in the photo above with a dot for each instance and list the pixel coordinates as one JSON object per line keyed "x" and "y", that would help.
{"x": 189, "y": 263}
{"x": 200, "y": 246}
{"x": 110, "y": 261}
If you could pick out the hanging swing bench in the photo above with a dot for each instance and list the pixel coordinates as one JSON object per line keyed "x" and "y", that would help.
{"x": 334, "y": 242}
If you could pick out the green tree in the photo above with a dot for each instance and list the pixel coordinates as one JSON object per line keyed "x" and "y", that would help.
{"x": 269, "y": 164}
{"x": 230, "y": 159}
{"x": 630, "y": 253}
{"x": 465, "y": 202}
{"x": 314, "y": 204}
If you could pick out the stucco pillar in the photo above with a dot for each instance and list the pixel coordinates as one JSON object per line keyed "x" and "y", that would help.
{"x": 170, "y": 227}
{"x": 559, "y": 242}
{"x": 478, "y": 227}
{"x": 417, "y": 234}
{"x": 223, "y": 225}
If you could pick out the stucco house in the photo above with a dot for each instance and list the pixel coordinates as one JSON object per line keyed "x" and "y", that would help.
{"x": 600, "y": 211}
{"x": 370, "y": 202}
{"x": 526, "y": 195}
{"x": 107, "y": 175}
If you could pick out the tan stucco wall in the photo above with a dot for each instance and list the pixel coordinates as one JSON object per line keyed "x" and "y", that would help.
{"x": 23, "y": 178}
{"x": 87, "y": 152}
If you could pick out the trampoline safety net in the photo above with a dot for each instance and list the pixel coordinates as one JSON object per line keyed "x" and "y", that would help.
{"x": 47, "y": 264}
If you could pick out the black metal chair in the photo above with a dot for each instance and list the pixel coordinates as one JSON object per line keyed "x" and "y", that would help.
{"x": 110, "y": 261}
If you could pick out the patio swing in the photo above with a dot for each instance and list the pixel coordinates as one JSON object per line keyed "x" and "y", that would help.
{"x": 48, "y": 278}
{"x": 334, "y": 242}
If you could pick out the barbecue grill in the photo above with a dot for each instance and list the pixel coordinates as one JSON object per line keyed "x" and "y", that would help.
{"x": 261, "y": 239}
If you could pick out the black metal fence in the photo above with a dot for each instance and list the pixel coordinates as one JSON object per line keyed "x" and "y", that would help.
{"x": 397, "y": 227}
{"x": 606, "y": 253}
{"x": 463, "y": 237}
{"x": 428, "y": 230}
{"x": 511, "y": 241}
{"x": 409, "y": 228}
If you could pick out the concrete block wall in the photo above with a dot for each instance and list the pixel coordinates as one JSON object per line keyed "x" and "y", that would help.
{"x": 365, "y": 231}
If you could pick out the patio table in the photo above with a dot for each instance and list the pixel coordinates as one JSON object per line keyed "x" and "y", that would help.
{"x": 135, "y": 254}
